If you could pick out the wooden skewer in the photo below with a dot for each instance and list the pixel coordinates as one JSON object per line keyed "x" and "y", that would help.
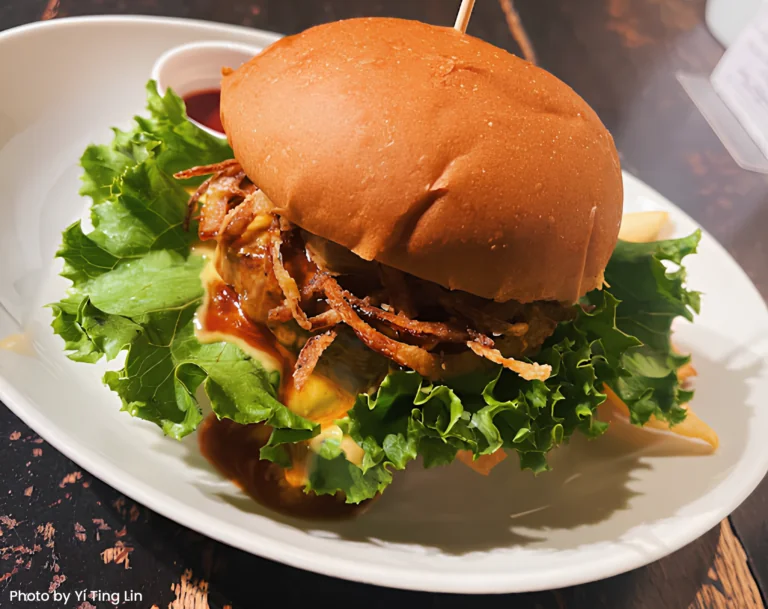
{"x": 465, "y": 12}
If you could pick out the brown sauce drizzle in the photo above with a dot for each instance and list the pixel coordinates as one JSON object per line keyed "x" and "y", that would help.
{"x": 233, "y": 449}
{"x": 224, "y": 314}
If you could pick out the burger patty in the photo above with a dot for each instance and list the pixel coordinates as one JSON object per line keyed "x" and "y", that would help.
{"x": 305, "y": 288}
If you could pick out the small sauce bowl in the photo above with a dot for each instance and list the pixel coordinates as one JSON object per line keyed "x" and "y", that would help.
{"x": 195, "y": 68}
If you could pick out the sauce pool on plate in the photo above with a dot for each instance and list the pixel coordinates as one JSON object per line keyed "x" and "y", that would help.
{"x": 204, "y": 106}
{"x": 234, "y": 449}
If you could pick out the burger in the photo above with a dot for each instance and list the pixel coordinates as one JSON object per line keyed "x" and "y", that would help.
{"x": 407, "y": 248}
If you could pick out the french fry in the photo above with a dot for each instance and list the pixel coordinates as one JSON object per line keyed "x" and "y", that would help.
{"x": 686, "y": 371}
{"x": 691, "y": 427}
{"x": 642, "y": 227}
{"x": 485, "y": 463}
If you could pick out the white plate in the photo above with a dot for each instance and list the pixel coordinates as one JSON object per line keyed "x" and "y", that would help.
{"x": 606, "y": 507}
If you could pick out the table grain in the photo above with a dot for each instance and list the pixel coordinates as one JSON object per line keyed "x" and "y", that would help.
{"x": 62, "y": 530}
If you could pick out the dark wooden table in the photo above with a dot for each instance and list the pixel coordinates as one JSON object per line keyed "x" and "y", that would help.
{"x": 63, "y": 529}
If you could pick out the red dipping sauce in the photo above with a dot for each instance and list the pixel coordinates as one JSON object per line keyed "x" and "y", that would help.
{"x": 204, "y": 107}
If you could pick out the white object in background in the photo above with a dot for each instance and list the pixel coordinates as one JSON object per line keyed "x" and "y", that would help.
{"x": 734, "y": 98}
{"x": 727, "y": 18}
{"x": 196, "y": 66}
{"x": 741, "y": 79}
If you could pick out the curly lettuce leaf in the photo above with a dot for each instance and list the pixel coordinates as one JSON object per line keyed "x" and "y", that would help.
{"x": 649, "y": 281}
{"x": 408, "y": 417}
{"x": 136, "y": 286}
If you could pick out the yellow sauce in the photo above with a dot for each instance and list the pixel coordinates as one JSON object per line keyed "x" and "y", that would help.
{"x": 18, "y": 343}
{"x": 205, "y": 249}
{"x": 349, "y": 447}
{"x": 320, "y": 400}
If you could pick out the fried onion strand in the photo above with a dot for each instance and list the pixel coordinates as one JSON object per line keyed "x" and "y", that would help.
{"x": 309, "y": 356}
{"x": 410, "y": 356}
{"x": 287, "y": 283}
{"x": 530, "y": 372}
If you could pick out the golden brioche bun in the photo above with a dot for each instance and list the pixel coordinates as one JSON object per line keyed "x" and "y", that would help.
{"x": 433, "y": 152}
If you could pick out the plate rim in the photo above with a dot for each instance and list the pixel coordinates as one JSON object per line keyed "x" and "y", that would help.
{"x": 63, "y": 22}
{"x": 370, "y": 573}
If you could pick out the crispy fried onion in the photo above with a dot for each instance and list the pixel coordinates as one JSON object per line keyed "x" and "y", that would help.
{"x": 286, "y": 282}
{"x": 283, "y": 313}
{"x": 399, "y": 322}
{"x": 385, "y": 320}
{"x": 223, "y": 190}
{"x": 530, "y": 372}
{"x": 309, "y": 356}
{"x": 326, "y": 319}
{"x": 206, "y": 170}
{"x": 410, "y": 356}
